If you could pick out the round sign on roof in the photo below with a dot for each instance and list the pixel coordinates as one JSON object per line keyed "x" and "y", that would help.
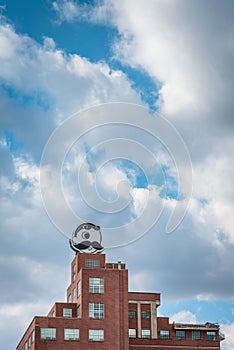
{"x": 87, "y": 238}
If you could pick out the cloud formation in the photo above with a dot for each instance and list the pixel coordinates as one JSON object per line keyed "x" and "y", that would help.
{"x": 187, "y": 48}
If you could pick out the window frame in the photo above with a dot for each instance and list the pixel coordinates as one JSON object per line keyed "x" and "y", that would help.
{"x": 96, "y": 310}
{"x": 29, "y": 341}
{"x": 145, "y": 314}
{"x": 92, "y": 263}
{"x": 131, "y": 314}
{"x": 74, "y": 273}
{"x": 33, "y": 336}
{"x": 145, "y": 333}
{"x": 46, "y": 330}
{"x": 94, "y": 287}
{"x": 165, "y": 335}
{"x": 180, "y": 334}
{"x": 132, "y": 330}
{"x": 98, "y": 335}
{"x": 69, "y": 334}
{"x": 74, "y": 295}
{"x": 78, "y": 288}
{"x": 211, "y": 335}
{"x": 66, "y": 313}
{"x": 78, "y": 311}
{"x": 196, "y": 335}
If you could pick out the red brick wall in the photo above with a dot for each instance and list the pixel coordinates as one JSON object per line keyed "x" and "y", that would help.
{"x": 115, "y": 323}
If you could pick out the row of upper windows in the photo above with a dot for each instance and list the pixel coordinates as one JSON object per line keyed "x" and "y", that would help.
{"x": 72, "y": 334}
{"x": 98, "y": 335}
{"x": 145, "y": 333}
{"x": 29, "y": 341}
{"x": 144, "y": 314}
{"x": 180, "y": 334}
{"x": 96, "y": 310}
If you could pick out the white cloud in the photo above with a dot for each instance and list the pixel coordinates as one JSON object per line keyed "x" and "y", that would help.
{"x": 71, "y": 11}
{"x": 140, "y": 198}
{"x": 68, "y": 82}
{"x": 228, "y": 331}
{"x": 67, "y": 10}
{"x": 26, "y": 170}
{"x": 170, "y": 42}
{"x": 109, "y": 177}
{"x": 71, "y": 82}
{"x": 49, "y": 43}
{"x": 192, "y": 61}
{"x": 166, "y": 41}
{"x": 205, "y": 297}
{"x": 61, "y": 85}
{"x": 213, "y": 198}
{"x": 184, "y": 316}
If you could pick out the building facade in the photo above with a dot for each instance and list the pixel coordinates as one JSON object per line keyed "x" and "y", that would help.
{"x": 101, "y": 314}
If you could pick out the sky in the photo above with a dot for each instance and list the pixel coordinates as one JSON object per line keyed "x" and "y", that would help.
{"x": 119, "y": 113}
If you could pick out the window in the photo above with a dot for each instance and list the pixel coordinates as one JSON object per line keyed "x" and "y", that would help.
{"x": 145, "y": 333}
{"x": 74, "y": 273}
{"x": 78, "y": 288}
{"x": 29, "y": 341}
{"x": 96, "y": 310}
{"x": 71, "y": 334}
{"x": 96, "y": 285}
{"x": 145, "y": 314}
{"x": 132, "y": 333}
{"x": 67, "y": 312}
{"x": 96, "y": 335}
{"x": 26, "y": 345}
{"x": 69, "y": 298}
{"x": 53, "y": 314}
{"x": 48, "y": 333}
{"x": 131, "y": 314}
{"x": 196, "y": 335}
{"x": 78, "y": 311}
{"x": 210, "y": 335}
{"x": 74, "y": 295}
{"x": 33, "y": 336}
{"x": 92, "y": 263}
{"x": 180, "y": 334}
{"x": 164, "y": 334}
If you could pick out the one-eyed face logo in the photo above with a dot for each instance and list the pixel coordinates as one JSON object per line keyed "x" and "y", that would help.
{"x": 87, "y": 238}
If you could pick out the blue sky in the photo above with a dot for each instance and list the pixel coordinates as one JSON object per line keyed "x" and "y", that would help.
{"x": 59, "y": 58}
{"x": 91, "y": 41}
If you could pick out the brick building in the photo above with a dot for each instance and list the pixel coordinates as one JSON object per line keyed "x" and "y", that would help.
{"x": 101, "y": 314}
